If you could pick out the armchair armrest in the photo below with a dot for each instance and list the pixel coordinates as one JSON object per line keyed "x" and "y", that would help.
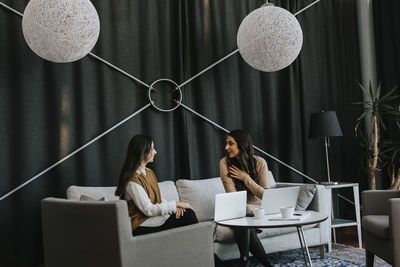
{"x": 394, "y": 222}
{"x": 184, "y": 246}
{"x": 376, "y": 202}
{"x": 322, "y": 202}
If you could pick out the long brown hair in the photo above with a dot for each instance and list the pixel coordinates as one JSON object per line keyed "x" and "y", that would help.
{"x": 138, "y": 150}
{"x": 245, "y": 160}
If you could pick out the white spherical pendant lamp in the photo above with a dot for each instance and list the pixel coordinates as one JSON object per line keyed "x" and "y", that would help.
{"x": 269, "y": 38}
{"x": 61, "y": 30}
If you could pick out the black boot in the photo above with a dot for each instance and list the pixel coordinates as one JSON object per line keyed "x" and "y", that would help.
{"x": 218, "y": 262}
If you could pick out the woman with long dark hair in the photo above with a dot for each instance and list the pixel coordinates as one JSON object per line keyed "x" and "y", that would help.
{"x": 241, "y": 170}
{"x": 137, "y": 184}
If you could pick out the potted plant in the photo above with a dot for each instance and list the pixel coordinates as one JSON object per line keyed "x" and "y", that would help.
{"x": 390, "y": 156}
{"x": 383, "y": 110}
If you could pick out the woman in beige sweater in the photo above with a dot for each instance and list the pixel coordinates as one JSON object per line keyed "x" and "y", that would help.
{"x": 241, "y": 170}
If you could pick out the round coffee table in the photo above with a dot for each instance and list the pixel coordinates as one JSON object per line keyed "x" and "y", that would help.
{"x": 273, "y": 221}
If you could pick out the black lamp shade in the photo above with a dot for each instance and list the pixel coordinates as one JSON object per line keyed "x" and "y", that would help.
{"x": 324, "y": 124}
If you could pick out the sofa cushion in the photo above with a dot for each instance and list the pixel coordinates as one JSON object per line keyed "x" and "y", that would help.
{"x": 306, "y": 195}
{"x": 377, "y": 225}
{"x": 74, "y": 192}
{"x": 201, "y": 195}
{"x": 167, "y": 188}
{"x": 223, "y": 234}
{"x": 87, "y": 198}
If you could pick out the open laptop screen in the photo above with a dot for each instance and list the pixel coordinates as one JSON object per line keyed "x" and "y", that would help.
{"x": 276, "y": 198}
{"x": 230, "y": 205}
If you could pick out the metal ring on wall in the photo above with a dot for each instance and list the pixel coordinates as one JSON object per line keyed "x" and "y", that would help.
{"x": 177, "y": 101}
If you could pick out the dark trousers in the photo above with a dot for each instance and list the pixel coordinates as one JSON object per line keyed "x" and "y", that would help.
{"x": 254, "y": 246}
{"x": 188, "y": 217}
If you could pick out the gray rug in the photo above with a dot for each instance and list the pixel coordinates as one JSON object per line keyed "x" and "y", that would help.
{"x": 340, "y": 255}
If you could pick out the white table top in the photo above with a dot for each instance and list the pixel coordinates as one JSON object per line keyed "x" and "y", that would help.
{"x": 252, "y": 222}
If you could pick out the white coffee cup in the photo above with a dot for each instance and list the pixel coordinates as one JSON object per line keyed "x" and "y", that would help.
{"x": 287, "y": 212}
{"x": 259, "y": 213}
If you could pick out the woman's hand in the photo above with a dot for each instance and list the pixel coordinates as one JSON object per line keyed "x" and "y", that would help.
{"x": 179, "y": 212}
{"x": 235, "y": 172}
{"x": 183, "y": 205}
{"x": 181, "y": 208}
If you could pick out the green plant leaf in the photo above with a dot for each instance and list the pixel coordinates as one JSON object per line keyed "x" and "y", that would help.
{"x": 371, "y": 92}
{"x": 366, "y": 92}
{"x": 378, "y": 91}
{"x": 359, "y": 103}
{"x": 394, "y": 156}
{"x": 388, "y": 150}
{"x": 381, "y": 122}
{"x": 359, "y": 120}
{"x": 388, "y": 94}
{"x": 388, "y": 98}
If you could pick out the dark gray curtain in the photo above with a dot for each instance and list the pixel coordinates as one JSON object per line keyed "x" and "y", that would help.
{"x": 48, "y": 110}
{"x": 387, "y": 43}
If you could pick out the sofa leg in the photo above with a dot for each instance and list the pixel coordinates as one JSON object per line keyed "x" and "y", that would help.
{"x": 322, "y": 251}
{"x": 370, "y": 257}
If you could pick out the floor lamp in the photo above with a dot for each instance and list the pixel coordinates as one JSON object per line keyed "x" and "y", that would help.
{"x": 325, "y": 124}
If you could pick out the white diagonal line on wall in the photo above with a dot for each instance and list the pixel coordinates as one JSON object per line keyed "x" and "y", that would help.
{"x": 74, "y": 152}
{"x": 118, "y": 69}
{"x": 256, "y": 148}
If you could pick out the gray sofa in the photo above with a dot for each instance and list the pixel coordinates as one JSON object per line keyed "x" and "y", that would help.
{"x": 99, "y": 233}
{"x": 201, "y": 195}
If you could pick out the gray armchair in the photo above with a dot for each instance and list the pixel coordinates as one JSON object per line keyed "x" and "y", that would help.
{"x": 381, "y": 225}
{"x": 98, "y": 233}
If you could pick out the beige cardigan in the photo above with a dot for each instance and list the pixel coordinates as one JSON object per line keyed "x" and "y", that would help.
{"x": 255, "y": 186}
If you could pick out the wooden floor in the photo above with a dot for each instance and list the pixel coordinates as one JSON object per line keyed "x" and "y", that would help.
{"x": 348, "y": 236}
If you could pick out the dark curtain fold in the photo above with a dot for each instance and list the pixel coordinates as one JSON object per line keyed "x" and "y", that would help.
{"x": 387, "y": 45}
{"x": 48, "y": 110}
{"x": 329, "y": 68}
{"x": 387, "y": 42}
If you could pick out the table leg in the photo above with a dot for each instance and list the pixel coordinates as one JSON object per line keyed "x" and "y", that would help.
{"x": 357, "y": 210}
{"x": 305, "y": 244}
{"x": 303, "y": 241}
{"x": 334, "y": 205}
{"x": 301, "y": 244}
{"x": 330, "y": 200}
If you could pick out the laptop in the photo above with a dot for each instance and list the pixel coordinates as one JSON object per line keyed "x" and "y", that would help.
{"x": 276, "y": 198}
{"x": 230, "y": 205}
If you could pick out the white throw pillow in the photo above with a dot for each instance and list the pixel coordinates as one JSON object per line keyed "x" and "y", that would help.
{"x": 305, "y": 197}
{"x": 201, "y": 195}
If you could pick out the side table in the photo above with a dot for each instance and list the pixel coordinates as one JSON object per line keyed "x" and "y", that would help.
{"x": 337, "y": 222}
